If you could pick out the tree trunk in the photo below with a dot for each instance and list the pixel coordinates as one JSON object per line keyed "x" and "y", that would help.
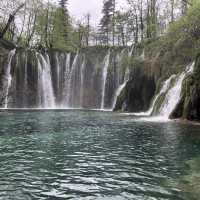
{"x": 172, "y": 10}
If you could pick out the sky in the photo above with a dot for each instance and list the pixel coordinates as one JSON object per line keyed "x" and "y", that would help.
{"x": 79, "y": 8}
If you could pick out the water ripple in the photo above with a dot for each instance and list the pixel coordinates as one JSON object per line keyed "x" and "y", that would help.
{"x": 90, "y": 155}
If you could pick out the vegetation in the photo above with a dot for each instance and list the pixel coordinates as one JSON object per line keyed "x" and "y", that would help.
{"x": 159, "y": 25}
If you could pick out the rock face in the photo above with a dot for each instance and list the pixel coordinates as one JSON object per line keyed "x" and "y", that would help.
{"x": 138, "y": 92}
{"x": 141, "y": 87}
{"x": 189, "y": 105}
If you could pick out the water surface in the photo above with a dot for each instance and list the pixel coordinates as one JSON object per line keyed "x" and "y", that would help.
{"x": 94, "y": 155}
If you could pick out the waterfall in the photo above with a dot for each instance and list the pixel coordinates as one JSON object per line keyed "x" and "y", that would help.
{"x": 25, "y": 80}
{"x": 174, "y": 93}
{"x": 82, "y": 82}
{"x": 125, "y": 79}
{"x": 8, "y": 78}
{"x": 142, "y": 56}
{"x": 165, "y": 87}
{"x": 66, "y": 79}
{"x": 104, "y": 78}
{"x": 57, "y": 71}
{"x": 120, "y": 88}
{"x": 69, "y": 88}
{"x": 117, "y": 93}
{"x": 131, "y": 51}
{"x": 45, "y": 88}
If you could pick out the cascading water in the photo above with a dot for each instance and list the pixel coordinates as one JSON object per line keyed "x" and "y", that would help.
{"x": 143, "y": 55}
{"x": 131, "y": 51}
{"x": 120, "y": 88}
{"x": 163, "y": 90}
{"x": 25, "y": 80}
{"x": 45, "y": 88}
{"x": 104, "y": 78}
{"x": 69, "y": 88}
{"x": 174, "y": 94}
{"x": 7, "y": 78}
{"x": 57, "y": 71}
{"x": 82, "y": 82}
{"x": 126, "y": 78}
{"x": 66, "y": 80}
{"x": 171, "y": 98}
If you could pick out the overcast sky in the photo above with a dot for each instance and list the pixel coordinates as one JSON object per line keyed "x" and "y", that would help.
{"x": 78, "y": 8}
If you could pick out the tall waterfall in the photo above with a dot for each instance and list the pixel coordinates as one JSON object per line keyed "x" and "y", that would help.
{"x": 174, "y": 93}
{"x": 45, "y": 88}
{"x": 65, "y": 80}
{"x": 7, "y": 79}
{"x": 104, "y": 78}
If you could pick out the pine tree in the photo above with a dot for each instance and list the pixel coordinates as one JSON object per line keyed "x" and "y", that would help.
{"x": 65, "y": 20}
{"x": 107, "y": 21}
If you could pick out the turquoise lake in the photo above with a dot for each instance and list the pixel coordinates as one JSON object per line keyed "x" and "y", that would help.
{"x": 91, "y": 155}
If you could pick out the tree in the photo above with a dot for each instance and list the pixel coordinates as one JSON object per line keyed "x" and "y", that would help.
{"x": 121, "y": 21}
{"x": 107, "y": 22}
{"x": 172, "y": 10}
{"x": 11, "y": 19}
{"x": 64, "y": 18}
{"x": 88, "y": 16}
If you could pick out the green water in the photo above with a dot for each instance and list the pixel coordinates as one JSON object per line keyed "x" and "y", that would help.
{"x": 96, "y": 155}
